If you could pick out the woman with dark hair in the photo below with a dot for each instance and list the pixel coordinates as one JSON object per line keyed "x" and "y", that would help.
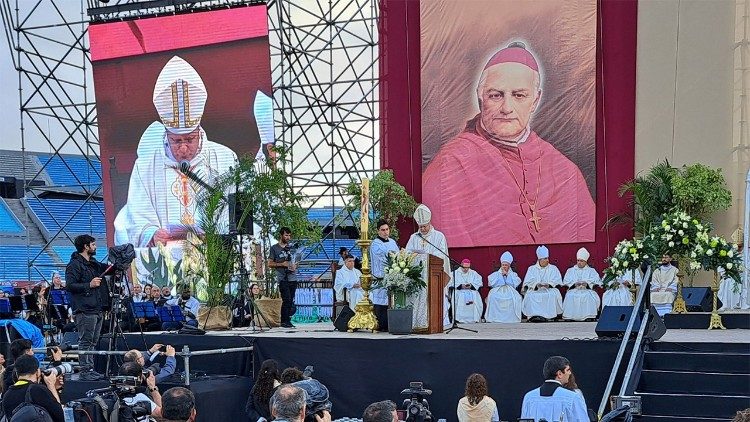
{"x": 477, "y": 405}
{"x": 257, "y": 408}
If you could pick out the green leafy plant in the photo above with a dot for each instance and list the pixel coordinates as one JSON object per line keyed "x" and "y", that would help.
{"x": 264, "y": 190}
{"x": 700, "y": 190}
{"x": 388, "y": 199}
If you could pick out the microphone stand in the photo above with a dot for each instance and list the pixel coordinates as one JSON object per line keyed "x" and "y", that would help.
{"x": 454, "y": 264}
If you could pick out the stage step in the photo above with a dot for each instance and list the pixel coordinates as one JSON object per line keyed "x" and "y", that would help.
{"x": 727, "y": 363}
{"x": 677, "y": 419}
{"x": 701, "y": 320}
{"x": 660, "y": 381}
{"x": 694, "y": 381}
{"x": 692, "y": 405}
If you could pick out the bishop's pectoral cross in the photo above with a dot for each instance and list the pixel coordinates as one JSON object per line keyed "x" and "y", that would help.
{"x": 534, "y": 218}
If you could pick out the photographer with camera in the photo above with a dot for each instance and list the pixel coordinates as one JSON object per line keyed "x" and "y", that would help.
{"x": 288, "y": 404}
{"x": 382, "y": 411}
{"x": 134, "y": 369}
{"x": 83, "y": 277}
{"x": 28, "y": 397}
{"x": 146, "y": 359}
{"x": 23, "y": 347}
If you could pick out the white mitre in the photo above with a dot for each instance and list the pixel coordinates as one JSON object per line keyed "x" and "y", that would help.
{"x": 179, "y": 96}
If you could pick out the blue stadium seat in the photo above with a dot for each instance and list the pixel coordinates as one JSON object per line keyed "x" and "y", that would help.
{"x": 54, "y": 213}
{"x": 14, "y": 265}
{"x": 9, "y": 224}
{"x": 72, "y": 172}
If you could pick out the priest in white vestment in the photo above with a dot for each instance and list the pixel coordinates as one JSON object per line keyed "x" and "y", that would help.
{"x": 730, "y": 293}
{"x": 552, "y": 401}
{"x": 380, "y": 247}
{"x": 504, "y": 301}
{"x": 618, "y": 292}
{"x": 542, "y": 300}
{"x": 469, "y": 305}
{"x": 427, "y": 241}
{"x": 581, "y": 301}
{"x": 664, "y": 286}
{"x": 162, "y": 200}
{"x": 347, "y": 284}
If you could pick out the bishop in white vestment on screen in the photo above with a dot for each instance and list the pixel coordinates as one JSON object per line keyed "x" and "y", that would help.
{"x": 542, "y": 300}
{"x": 504, "y": 301}
{"x": 469, "y": 305}
{"x": 162, "y": 199}
{"x": 618, "y": 292}
{"x": 347, "y": 283}
{"x": 664, "y": 286}
{"x": 427, "y": 241}
{"x": 581, "y": 301}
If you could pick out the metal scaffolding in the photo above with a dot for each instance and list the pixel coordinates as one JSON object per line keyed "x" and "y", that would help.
{"x": 324, "y": 58}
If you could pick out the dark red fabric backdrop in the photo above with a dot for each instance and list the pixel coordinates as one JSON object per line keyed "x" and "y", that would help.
{"x": 615, "y": 129}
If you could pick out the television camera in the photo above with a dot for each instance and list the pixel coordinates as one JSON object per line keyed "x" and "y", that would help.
{"x": 416, "y": 406}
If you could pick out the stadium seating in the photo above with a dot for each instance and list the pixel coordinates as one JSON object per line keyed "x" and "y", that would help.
{"x": 14, "y": 265}
{"x": 9, "y": 223}
{"x": 84, "y": 217}
{"x": 72, "y": 173}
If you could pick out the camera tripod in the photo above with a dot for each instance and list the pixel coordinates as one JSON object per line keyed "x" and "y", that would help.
{"x": 242, "y": 297}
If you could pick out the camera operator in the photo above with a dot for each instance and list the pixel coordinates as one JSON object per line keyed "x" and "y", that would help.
{"x": 189, "y": 306}
{"x": 134, "y": 369}
{"x": 178, "y": 405}
{"x": 382, "y": 411}
{"x": 281, "y": 259}
{"x": 144, "y": 358}
{"x": 83, "y": 280}
{"x": 288, "y": 404}
{"x": 23, "y": 347}
{"x": 41, "y": 395}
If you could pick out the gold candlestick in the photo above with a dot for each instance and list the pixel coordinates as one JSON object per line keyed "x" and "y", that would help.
{"x": 679, "y": 303}
{"x": 715, "y": 317}
{"x": 364, "y": 317}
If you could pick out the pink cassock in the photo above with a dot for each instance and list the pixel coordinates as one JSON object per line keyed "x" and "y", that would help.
{"x": 476, "y": 202}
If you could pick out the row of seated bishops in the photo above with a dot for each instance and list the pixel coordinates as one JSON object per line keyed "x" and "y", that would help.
{"x": 544, "y": 294}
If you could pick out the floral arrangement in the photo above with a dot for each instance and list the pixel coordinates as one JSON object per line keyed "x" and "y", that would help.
{"x": 714, "y": 253}
{"x": 677, "y": 235}
{"x": 629, "y": 255}
{"x": 402, "y": 276}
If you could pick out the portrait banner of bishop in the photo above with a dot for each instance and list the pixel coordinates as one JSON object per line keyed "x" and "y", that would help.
{"x": 509, "y": 120}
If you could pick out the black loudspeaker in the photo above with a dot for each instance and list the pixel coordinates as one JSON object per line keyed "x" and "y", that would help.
{"x": 698, "y": 299}
{"x": 235, "y": 214}
{"x": 614, "y": 320}
{"x": 342, "y": 320}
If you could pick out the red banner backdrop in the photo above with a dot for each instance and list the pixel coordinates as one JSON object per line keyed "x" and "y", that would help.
{"x": 401, "y": 125}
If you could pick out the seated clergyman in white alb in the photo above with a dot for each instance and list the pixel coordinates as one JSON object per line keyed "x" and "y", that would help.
{"x": 504, "y": 301}
{"x": 664, "y": 286}
{"x": 347, "y": 283}
{"x": 730, "y": 293}
{"x": 469, "y": 304}
{"x": 618, "y": 292}
{"x": 542, "y": 300}
{"x": 581, "y": 301}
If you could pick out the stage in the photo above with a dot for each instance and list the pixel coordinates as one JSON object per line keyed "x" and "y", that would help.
{"x": 362, "y": 367}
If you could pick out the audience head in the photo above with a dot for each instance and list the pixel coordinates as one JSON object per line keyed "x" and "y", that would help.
{"x": 132, "y": 369}
{"x": 137, "y": 289}
{"x": 557, "y": 368}
{"x": 343, "y": 252}
{"x": 349, "y": 261}
{"x": 384, "y": 230}
{"x": 26, "y": 366}
{"x": 56, "y": 279}
{"x": 571, "y": 384}
{"x": 254, "y": 290}
{"x": 178, "y": 404}
{"x": 267, "y": 376}
{"x": 291, "y": 375}
{"x": 147, "y": 290}
{"x": 155, "y": 293}
{"x": 382, "y": 411}
{"x": 134, "y": 355}
{"x": 20, "y": 347}
{"x": 285, "y": 235}
{"x": 742, "y": 416}
{"x": 666, "y": 259}
{"x": 288, "y": 403}
{"x": 85, "y": 242}
{"x": 166, "y": 291}
{"x": 476, "y": 388}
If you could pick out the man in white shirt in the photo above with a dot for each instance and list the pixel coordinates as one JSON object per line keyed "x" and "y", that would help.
{"x": 153, "y": 403}
{"x": 468, "y": 306}
{"x": 552, "y": 401}
{"x": 380, "y": 247}
{"x": 347, "y": 280}
{"x": 581, "y": 301}
{"x": 542, "y": 300}
{"x": 664, "y": 286}
{"x": 189, "y": 306}
{"x": 504, "y": 302}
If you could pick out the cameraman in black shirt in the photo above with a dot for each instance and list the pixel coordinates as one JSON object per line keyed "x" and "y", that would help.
{"x": 43, "y": 394}
{"x": 88, "y": 298}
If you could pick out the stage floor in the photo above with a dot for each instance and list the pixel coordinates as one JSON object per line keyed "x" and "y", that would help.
{"x": 489, "y": 331}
